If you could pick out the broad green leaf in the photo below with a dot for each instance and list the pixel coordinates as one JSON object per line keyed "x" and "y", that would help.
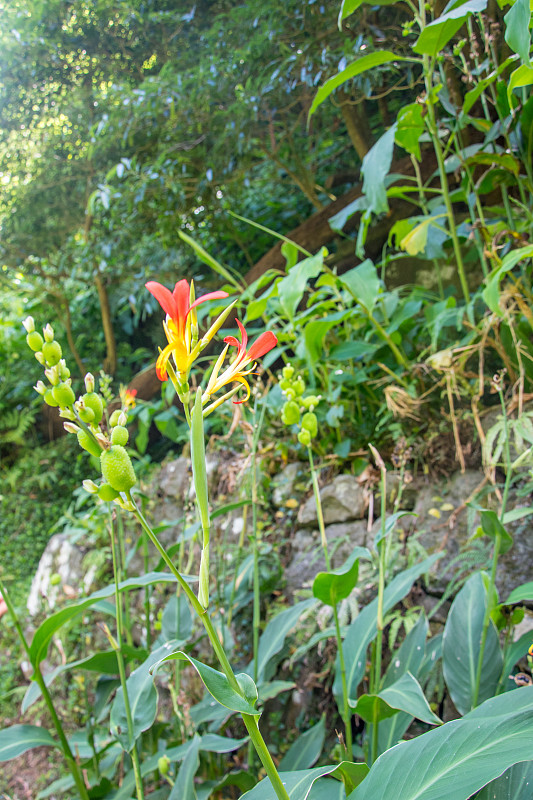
{"x": 183, "y": 788}
{"x": 149, "y": 764}
{"x": 462, "y": 755}
{"x": 390, "y": 524}
{"x": 242, "y": 779}
{"x": 409, "y": 128}
{"x": 331, "y": 587}
{"x": 291, "y": 288}
{"x": 363, "y": 629}
{"x": 514, "y": 784}
{"x": 438, "y": 33}
{"x": 213, "y": 743}
{"x": 517, "y": 33}
{"x": 521, "y": 593}
{"x": 18, "y": 739}
{"x": 271, "y": 689}
{"x": 410, "y": 654}
{"x": 460, "y": 647}
{"x": 339, "y": 220}
{"x": 327, "y": 789}
{"x": 176, "y": 622}
{"x": 218, "y": 685}
{"x": 352, "y": 70}
{"x": 375, "y": 167}
{"x": 313, "y": 337}
{"x": 273, "y": 637}
{"x": 44, "y": 633}
{"x": 503, "y": 160}
{"x": 372, "y": 708}
{"x": 516, "y": 513}
{"x": 493, "y": 528}
{"x": 104, "y": 662}
{"x": 408, "y": 657}
{"x": 142, "y": 696}
{"x": 491, "y": 293}
{"x": 521, "y": 76}
{"x": 348, "y": 350}
{"x": 349, "y": 6}
{"x": 305, "y": 751}
{"x": 472, "y": 96}
{"x": 298, "y": 784}
{"x": 290, "y": 254}
{"x": 405, "y": 695}
{"x": 415, "y": 241}
{"x": 208, "y": 259}
{"x": 363, "y": 284}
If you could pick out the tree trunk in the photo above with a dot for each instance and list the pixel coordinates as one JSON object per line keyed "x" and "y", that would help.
{"x": 110, "y": 361}
{"x": 356, "y": 124}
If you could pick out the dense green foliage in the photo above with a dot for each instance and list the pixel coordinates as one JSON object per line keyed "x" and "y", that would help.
{"x": 150, "y": 140}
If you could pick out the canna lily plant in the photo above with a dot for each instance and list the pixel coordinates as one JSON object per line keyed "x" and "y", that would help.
{"x": 107, "y": 438}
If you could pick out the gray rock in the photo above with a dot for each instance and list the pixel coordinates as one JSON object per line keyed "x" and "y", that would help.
{"x": 174, "y": 478}
{"x": 434, "y": 533}
{"x": 341, "y": 500}
{"x": 284, "y": 483}
{"x": 307, "y": 555}
{"x": 62, "y": 558}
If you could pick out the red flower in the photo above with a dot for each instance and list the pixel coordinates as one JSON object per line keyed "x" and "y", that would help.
{"x": 236, "y": 370}
{"x": 178, "y": 324}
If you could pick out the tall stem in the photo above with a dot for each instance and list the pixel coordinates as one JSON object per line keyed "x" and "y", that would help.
{"x": 38, "y": 677}
{"x": 249, "y": 721}
{"x": 117, "y": 646}
{"x": 375, "y": 676}
{"x": 434, "y": 134}
{"x": 346, "y": 710}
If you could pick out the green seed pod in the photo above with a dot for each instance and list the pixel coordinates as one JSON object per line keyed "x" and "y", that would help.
{"x": 299, "y": 385}
{"x": 311, "y": 401}
{"x": 119, "y": 435}
{"x": 309, "y": 423}
{"x": 55, "y": 579}
{"x": 114, "y": 417}
{"x": 52, "y": 352}
{"x": 107, "y": 493}
{"x": 63, "y": 394}
{"x": 88, "y": 443}
{"x": 304, "y": 437}
{"x": 35, "y": 341}
{"x": 163, "y": 765}
{"x": 288, "y": 371}
{"x": 93, "y": 401}
{"x": 49, "y": 399}
{"x": 117, "y": 468}
{"x": 290, "y": 413}
{"x": 284, "y": 385}
{"x": 86, "y": 414}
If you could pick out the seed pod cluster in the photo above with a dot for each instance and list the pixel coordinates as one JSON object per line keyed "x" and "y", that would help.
{"x": 84, "y": 416}
{"x": 298, "y": 410}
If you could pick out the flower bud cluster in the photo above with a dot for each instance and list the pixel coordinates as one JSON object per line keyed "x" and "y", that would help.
{"x": 86, "y": 418}
{"x": 298, "y": 410}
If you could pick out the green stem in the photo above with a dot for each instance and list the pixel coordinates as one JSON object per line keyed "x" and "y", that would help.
{"x": 123, "y": 574}
{"x": 38, "y": 677}
{"x": 375, "y": 677}
{"x": 507, "y": 450}
{"x": 122, "y": 670}
{"x": 486, "y": 620}
{"x": 249, "y": 721}
{"x": 434, "y": 134}
{"x": 346, "y": 710}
